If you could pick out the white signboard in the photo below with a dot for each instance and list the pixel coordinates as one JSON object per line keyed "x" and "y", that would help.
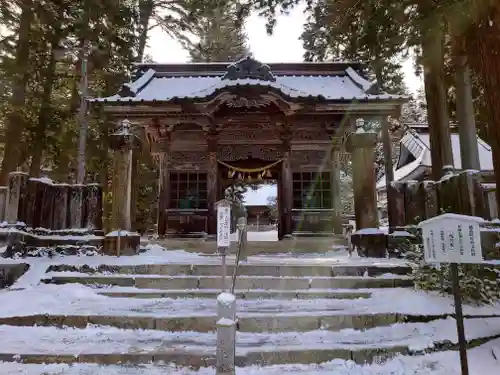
{"x": 452, "y": 238}
{"x": 223, "y": 224}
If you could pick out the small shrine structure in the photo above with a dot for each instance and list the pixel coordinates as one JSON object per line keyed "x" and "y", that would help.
{"x": 211, "y": 124}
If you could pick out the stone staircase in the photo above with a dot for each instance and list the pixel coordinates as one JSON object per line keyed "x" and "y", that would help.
{"x": 287, "y": 313}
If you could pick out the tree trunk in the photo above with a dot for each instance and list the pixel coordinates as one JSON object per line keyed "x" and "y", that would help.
{"x": 146, "y": 8}
{"x": 46, "y": 105}
{"x": 465, "y": 107}
{"x": 435, "y": 93}
{"x": 15, "y": 122}
{"x": 483, "y": 46}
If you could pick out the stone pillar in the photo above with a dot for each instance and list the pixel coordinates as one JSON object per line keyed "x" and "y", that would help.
{"x": 362, "y": 149}
{"x": 14, "y": 209}
{"x": 389, "y": 171}
{"x": 212, "y": 183}
{"x": 287, "y": 194}
{"x": 335, "y": 191}
{"x": 163, "y": 192}
{"x": 226, "y": 334}
{"x": 120, "y": 241}
{"x": 123, "y": 142}
{"x": 3, "y": 202}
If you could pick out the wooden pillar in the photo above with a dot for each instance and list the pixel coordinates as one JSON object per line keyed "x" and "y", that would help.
{"x": 212, "y": 183}
{"x": 287, "y": 194}
{"x": 362, "y": 148}
{"x": 163, "y": 192}
{"x": 279, "y": 203}
{"x": 335, "y": 191}
{"x": 123, "y": 142}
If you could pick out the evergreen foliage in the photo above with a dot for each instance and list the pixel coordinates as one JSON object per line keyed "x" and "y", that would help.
{"x": 217, "y": 35}
{"x": 478, "y": 284}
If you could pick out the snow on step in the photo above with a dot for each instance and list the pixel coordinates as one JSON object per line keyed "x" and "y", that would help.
{"x": 132, "y": 292}
{"x": 108, "y": 340}
{"x": 242, "y": 282}
{"x": 481, "y": 362}
{"x": 75, "y": 298}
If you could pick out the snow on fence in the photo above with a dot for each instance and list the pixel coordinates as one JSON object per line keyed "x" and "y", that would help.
{"x": 460, "y": 193}
{"x": 41, "y": 203}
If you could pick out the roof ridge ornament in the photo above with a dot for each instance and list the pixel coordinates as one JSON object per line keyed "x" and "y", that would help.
{"x": 250, "y": 68}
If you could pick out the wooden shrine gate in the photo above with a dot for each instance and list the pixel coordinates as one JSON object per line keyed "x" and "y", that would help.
{"x": 209, "y": 123}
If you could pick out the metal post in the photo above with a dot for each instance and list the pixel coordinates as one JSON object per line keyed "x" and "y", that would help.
{"x": 242, "y": 231}
{"x": 82, "y": 117}
{"x": 459, "y": 317}
{"x": 224, "y": 268}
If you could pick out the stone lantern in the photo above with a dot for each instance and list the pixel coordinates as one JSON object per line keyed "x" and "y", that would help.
{"x": 121, "y": 241}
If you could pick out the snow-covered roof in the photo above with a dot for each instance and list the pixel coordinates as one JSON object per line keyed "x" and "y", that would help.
{"x": 418, "y": 144}
{"x": 329, "y": 82}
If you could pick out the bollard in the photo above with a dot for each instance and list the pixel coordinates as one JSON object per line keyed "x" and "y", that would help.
{"x": 226, "y": 334}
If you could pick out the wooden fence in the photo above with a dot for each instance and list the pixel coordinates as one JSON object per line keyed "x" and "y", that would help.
{"x": 41, "y": 203}
{"x": 460, "y": 193}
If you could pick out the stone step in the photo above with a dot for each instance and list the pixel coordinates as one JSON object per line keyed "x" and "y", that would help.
{"x": 119, "y": 292}
{"x": 275, "y": 269}
{"x": 197, "y": 359}
{"x": 206, "y": 323}
{"x": 242, "y": 282}
{"x": 106, "y": 345}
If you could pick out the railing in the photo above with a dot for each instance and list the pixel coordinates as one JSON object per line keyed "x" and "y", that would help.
{"x": 226, "y": 310}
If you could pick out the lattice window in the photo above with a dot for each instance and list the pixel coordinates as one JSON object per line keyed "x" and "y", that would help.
{"x": 311, "y": 190}
{"x": 188, "y": 190}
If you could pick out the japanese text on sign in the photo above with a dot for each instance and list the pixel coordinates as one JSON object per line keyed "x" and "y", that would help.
{"x": 223, "y": 225}
{"x": 452, "y": 238}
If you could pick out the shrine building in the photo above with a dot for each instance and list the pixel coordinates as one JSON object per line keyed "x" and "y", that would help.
{"x": 209, "y": 125}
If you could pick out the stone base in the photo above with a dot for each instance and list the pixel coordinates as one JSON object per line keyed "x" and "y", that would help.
{"x": 370, "y": 245}
{"x": 9, "y": 273}
{"x": 125, "y": 244}
{"x": 399, "y": 243}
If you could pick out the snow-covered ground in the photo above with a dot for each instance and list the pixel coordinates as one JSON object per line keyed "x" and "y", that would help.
{"x": 29, "y": 297}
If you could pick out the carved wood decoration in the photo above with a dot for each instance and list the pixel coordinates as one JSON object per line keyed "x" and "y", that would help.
{"x": 188, "y": 160}
{"x": 249, "y": 68}
{"x": 188, "y": 136}
{"x": 246, "y": 136}
{"x": 242, "y": 152}
{"x": 313, "y": 158}
{"x": 243, "y": 102}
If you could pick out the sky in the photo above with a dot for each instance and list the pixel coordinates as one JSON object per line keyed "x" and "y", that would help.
{"x": 283, "y": 46}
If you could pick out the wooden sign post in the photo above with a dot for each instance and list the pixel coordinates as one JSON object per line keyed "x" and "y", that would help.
{"x": 223, "y": 235}
{"x": 454, "y": 239}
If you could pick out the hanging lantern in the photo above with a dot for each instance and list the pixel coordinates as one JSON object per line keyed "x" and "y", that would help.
{"x": 249, "y": 177}
{"x": 240, "y": 176}
{"x": 269, "y": 174}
